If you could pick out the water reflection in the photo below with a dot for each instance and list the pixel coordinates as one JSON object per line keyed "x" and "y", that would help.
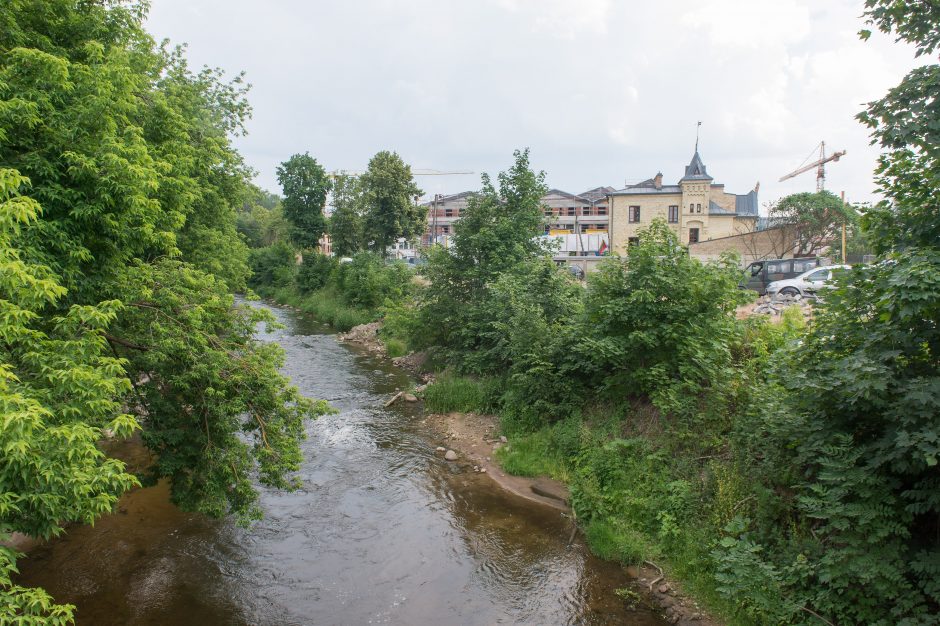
{"x": 382, "y": 531}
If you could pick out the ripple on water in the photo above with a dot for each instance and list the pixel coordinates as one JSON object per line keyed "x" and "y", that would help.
{"x": 382, "y": 531}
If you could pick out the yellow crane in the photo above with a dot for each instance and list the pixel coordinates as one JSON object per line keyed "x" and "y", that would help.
{"x": 819, "y": 164}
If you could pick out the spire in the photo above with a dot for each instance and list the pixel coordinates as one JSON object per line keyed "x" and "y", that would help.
{"x": 695, "y": 170}
{"x": 697, "y": 127}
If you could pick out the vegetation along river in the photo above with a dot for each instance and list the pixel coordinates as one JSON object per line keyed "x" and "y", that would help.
{"x": 382, "y": 531}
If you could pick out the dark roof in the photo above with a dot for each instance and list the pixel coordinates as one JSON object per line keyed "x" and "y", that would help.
{"x": 695, "y": 170}
{"x": 746, "y": 204}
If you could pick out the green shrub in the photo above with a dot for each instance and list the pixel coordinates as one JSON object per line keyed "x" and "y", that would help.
{"x": 272, "y": 266}
{"x": 367, "y": 281}
{"x": 315, "y": 272}
{"x": 395, "y": 347}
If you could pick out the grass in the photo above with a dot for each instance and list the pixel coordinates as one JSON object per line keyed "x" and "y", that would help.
{"x": 456, "y": 393}
{"x": 534, "y": 454}
{"x": 327, "y": 306}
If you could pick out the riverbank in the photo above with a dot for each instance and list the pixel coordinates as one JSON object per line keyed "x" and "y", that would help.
{"x": 477, "y": 445}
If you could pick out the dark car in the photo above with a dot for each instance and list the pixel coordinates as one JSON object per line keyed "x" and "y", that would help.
{"x": 762, "y": 273}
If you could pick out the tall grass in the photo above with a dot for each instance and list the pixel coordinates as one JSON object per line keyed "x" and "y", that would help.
{"x": 456, "y": 393}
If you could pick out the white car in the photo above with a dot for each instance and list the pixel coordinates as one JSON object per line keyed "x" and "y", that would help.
{"x": 807, "y": 283}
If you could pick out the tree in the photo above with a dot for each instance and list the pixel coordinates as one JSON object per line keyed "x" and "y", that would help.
{"x": 59, "y": 388}
{"x": 125, "y": 273}
{"x": 861, "y": 421}
{"x": 306, "y": 185}
{"x": 388, "y": 195}
{"x": 346, "y": 224}
{"x": 816, "y": 219}
{"x": 497, "y": 232}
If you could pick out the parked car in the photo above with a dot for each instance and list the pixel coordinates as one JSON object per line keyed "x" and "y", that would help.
{"x": 762, "y": 273}
{"x": 807, "y": 283}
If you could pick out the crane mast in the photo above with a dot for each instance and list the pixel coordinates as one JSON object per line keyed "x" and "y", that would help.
{"x": 819, "y": 165}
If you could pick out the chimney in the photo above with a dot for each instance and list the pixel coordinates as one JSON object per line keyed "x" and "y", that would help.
{"x": 658, "y": 180}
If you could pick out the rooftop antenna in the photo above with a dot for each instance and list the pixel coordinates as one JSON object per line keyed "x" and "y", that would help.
{"x": 697, "y": 127}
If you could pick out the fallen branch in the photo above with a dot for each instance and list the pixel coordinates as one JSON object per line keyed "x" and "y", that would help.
{"x": 574, "y": 529}
{"x": 662, "y": 576}
{"x": 394, "y": 399}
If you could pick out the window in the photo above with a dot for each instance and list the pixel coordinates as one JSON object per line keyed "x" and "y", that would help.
{"x": 804, "y": 265}
{"x": 634, "y": 214}
{"x": 698, "y": 208}
{"x": 585, "y": 210}
{"x": 633, "y": 241}
{"x": 602, "y": 210}
{"x": 818, "y": 276}
{"x": 548, "y": 212}
{"x": 781, "y": 267}
{"x": 571, "y": 211}
{"x": 674, "y": 214}
{"x": 445, "y": 230}
{"x": 691, "y": 207}
{"x": 448, "y": 212}
{"x": 693, "y": 235}
{"x": 756, "y": 268}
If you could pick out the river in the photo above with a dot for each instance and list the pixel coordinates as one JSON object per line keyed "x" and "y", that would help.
{"x": 382, "y": 531}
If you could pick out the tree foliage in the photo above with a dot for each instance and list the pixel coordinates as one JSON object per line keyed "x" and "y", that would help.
{"x": 816, "y": 218}
{"x": 118, "y": 268}
{"x": 346, "y": 223}
{"x": 306, "y": 186}
{"x": 495, "y": 233}
{"x": 388, "y": 197}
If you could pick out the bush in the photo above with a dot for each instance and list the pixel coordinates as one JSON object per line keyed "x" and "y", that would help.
{"x": 368, "y": 282}
{"x": 315, "y": 272}
{"x": 272, "y": 266}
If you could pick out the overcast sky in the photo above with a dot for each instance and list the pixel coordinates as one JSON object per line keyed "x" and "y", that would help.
{"x": 603, "y": 92}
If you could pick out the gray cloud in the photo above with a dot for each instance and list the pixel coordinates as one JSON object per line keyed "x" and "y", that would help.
{"x": 603, "y": 92}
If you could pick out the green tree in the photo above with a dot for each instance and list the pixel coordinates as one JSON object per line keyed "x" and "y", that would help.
{"x": 388, "y": 195}
{"x": 306, "y": 186}
{"x": 129, "y": 156}
{"x": 346, "y": 223}
{"x": 859, "y": 430}
{"x": 659, "y": 323}
{"x": 59, "y": 388}
{"x": 816, "y": 217}
{"x": 496, "y": 233}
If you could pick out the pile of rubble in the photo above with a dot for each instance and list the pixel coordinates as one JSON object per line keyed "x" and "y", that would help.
{"x": 774, "y": 305}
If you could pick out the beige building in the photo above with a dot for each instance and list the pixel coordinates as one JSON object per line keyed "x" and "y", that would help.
{"x": 697, "y": 208}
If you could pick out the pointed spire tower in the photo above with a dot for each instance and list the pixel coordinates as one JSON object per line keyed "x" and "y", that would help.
{"x": 696, "y": 196}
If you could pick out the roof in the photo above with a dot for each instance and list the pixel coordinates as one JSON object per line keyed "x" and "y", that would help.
{"x": 640, "y": 190}
{"x": 746, "y": 204}
{"x": 598, "y": 193}
{"x": 452, "y": 197}
{"x": 695, "y": 170}
{"x": 714, "y": 209}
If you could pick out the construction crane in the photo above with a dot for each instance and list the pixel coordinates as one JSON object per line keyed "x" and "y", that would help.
{"x": 818, "y": 164}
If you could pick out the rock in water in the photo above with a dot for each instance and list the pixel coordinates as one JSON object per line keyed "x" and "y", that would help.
{"x": 450, "y": 455}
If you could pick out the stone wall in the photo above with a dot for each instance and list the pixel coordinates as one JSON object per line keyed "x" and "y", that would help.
{"x": 773, "y": 243}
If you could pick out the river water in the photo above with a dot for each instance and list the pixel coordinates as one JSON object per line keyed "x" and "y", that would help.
{"x": 383, "y": 531}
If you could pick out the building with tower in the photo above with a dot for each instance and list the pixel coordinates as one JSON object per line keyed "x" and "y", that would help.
{"x": 696, "y": 208}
